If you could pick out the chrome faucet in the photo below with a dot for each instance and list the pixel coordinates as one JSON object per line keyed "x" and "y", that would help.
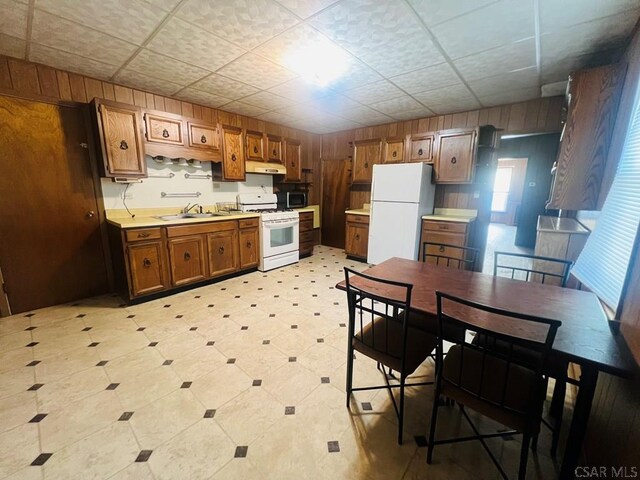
{"x": 186, "y": 209}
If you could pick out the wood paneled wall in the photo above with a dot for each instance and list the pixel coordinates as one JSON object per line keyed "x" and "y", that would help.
{"x": 534, "y": 116}
{"x": 39, "y": 82}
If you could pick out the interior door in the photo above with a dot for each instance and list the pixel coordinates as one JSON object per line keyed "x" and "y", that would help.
{"x": 51, "y": 247}
{"x": 335, "y": 200}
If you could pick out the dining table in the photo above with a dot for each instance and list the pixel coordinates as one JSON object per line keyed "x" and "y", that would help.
{"x": 584, "y": 338}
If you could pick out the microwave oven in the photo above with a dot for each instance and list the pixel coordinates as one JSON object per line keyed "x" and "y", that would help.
{"x": 292, "y": 199}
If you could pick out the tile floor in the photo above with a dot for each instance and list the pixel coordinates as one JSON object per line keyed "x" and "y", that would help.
{"x": 242, "y": 379}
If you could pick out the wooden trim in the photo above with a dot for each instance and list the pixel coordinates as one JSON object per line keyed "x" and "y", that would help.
{"x": 5, "y": 309}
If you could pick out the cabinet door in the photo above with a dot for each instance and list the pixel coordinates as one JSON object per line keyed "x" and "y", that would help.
{"x": 357, "y": 241}
{"x": 366, "y": 153}
{"x": 274, "y": 149}
{"x": 223, "y": 252}
{"x": 293, "y": 157}
{"x": 160, "y": 129}
{"x": 233, "y": 155}
{"x": 457, "y": 239}
{"x": 146, "y": 268}
{"x": 393, "y": 150}
{"x": 255, "y": 146}
{"x": 204, "y": 136}
{"x": 186, "y": 257}
{"x": 421, "y": 147}
{"x": 248, "y": 248}
{"x": 455, "y": 156}
{"x": 120, "y": 132}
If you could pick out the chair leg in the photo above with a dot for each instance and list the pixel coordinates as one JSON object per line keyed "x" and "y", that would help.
{"x": 559, "y": 392}
{"x": 349, "y": 374}
{"x": 401, "y": 411}
{"x": 432, "y": 428}
{"x": 534, "y": 443}
{"x": 524, "y": 455}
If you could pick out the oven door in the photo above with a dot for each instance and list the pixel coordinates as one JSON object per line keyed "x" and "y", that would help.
{"x": 279, "y": 237}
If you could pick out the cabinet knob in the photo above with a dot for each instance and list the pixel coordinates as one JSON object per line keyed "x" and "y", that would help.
{"x": 143, "y": 235}
{"x": 233, "y": 157}
{"x": 187, "y": 256}
{"x": 123, "y": 145}
{"x": 146, "y": 263}
{"x": 255, "y": 149}
{"x": 441, "y": 249}
{"x": 248, "y": 244}
{"x": 420, "y": 152}
{"x": 275, "y": 153}
{"x": 366, "y": 164}
{"x": 221, "y": 250}
{"x": 165, "y": 133}
{"x": 203, "y": 139}
{"x": 90, "y": 214}
{"x": 454, "y": 160}
{"x": 357, "y": 236}
{"x": 394, "y": 154}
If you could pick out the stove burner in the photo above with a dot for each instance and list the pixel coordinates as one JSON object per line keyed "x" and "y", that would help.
{"x": 270, "y": 210}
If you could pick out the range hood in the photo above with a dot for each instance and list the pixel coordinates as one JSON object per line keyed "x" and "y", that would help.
{"x": 252, "y": 166}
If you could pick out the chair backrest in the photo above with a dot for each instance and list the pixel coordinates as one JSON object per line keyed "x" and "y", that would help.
{"x": 375, "y": 299}
{"x": 455, "y": 256}
{"x": 511, "y": 343}
{"x": 532, "y": 268}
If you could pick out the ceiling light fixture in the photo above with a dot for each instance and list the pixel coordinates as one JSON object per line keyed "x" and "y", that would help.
{"x": 321, "y": 63}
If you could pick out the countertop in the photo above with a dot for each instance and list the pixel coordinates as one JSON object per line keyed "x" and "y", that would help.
{"x": 316, "y": 213}
{"x": 147, "y": 220}
{"x": 452, "y": 215}
{"x": 358, "y": 211}
{"x": 561, "y": 225}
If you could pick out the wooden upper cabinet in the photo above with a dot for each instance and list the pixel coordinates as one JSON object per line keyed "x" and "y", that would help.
{"x": 164, "y": 128}
{"x": 293, "y": 159}
{"x": 582, "y": 159}
{"x": 455, "y": 155}
{"x": 120, "y": 134}
{"x": 421, "y": 147}
{"x": 204, "y": 136}
{"x": 255, "y": 146}
{"x": 366, "y": 153}
{"x": 274, "y": 149}
{"x": 233, "y": 154}
{"x": 393, "y": 150}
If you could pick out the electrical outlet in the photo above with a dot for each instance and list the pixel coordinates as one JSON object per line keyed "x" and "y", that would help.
{"x": 216, "y": 185}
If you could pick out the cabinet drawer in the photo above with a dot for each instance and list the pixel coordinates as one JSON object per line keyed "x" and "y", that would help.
{"x": 306, "y": 216}
{"x": 306, "y": 247}
{"x": 306, "y": 225}
{"x": 306, "y": 236}
{"x": 453, "y": 227}
{"x": 197, "y": 229}
{"x": 142, "y": 234}
{"x": 249, "y": 223}
{"x": 358, "y": 219}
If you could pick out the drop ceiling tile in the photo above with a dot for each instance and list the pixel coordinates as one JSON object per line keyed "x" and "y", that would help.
{"x": 500, "y": 23}
{"x": 256, "y": 71}
{"x": 413, "y": 114}
{"x": 12, "y": 46}
{"x": 462, "y": 105}
{"x": 166, "y": 5}
{"x": 305, "y": 8}
{"x": 511, "y": 96}
{"x": 244, "y": 22}
{"x": 365, "y": 115}
{"x": 154, "y": 84}
{"x": 71, "y": 37}
{"x": 203, "y": 98}
{"x": 385, "y": 34}
{"x": 276, "y": 117}
{"x": 434, "y": 12}
{"x": 244, "y": 109}
{"x": 497, "y": 61}
{"x": 196, "y": 46}
{"x": 527, "y": 77}
{"x": 397, "y": 105}
{"x": 443, "y": 95}
{"x": 428, "y": 78}
{"x": 166, "y": 68}
{"x": 555, "y": 15}
{"x": 267, "y": 100}
{"x": 357, "y": 75}
{"x": 300, "y": 90}
{"x": 375, "y": 92}
{"x": 555, "y": 71}
{"x": 333, "y": 104}
{"x": 131, "y": 20}
{"x": 226, "y": 87}
{"x": 299, "y": 111}
{"x": 13, "y": 20}
{"x": 68, "y": 61}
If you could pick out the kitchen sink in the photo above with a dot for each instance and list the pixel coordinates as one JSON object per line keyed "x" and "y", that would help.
{"x": 180, "y": 216}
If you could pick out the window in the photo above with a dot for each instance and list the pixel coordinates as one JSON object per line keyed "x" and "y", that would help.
{"x": 602, "y": 266}
{"x": 501, "y": 187}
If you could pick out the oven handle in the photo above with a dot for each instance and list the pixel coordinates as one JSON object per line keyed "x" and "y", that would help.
{"x": 279, "y": 224}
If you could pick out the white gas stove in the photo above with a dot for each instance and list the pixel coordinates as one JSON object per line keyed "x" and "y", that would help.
{"x": 279, "y": 238}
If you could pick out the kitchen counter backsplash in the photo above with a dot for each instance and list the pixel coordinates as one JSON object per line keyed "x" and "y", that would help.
{"x": 148, "y": 192}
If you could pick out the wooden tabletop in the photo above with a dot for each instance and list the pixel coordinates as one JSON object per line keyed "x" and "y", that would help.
{"x": 584, "y": 337}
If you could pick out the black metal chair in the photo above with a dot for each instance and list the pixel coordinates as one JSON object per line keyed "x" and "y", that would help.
{"x": 455, "y": 256}
{"x": 379, "y": 328}
{"x": 498, "y": 383}
{"x": 555, "y": 271}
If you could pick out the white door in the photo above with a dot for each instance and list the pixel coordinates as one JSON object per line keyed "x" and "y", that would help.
{"x": 399, "y": 183}
{"x": 393, "y": 231}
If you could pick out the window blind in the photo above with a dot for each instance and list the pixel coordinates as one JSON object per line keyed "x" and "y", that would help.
{"x": 602, "y": 265}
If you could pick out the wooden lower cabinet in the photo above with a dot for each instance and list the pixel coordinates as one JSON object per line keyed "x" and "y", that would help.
{"x": 248, "y": 242}
{"x": 306, "y": 233}
{"x": 186, "y": 259}
{"x": 223, "y": 252}
{"x": 146, "y": 266}
{"x": 445, "y": 233}
{"x": 357, "y": 236}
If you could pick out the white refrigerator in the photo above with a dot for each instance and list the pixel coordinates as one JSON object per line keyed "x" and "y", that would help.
{"x": 400, "y": 195}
